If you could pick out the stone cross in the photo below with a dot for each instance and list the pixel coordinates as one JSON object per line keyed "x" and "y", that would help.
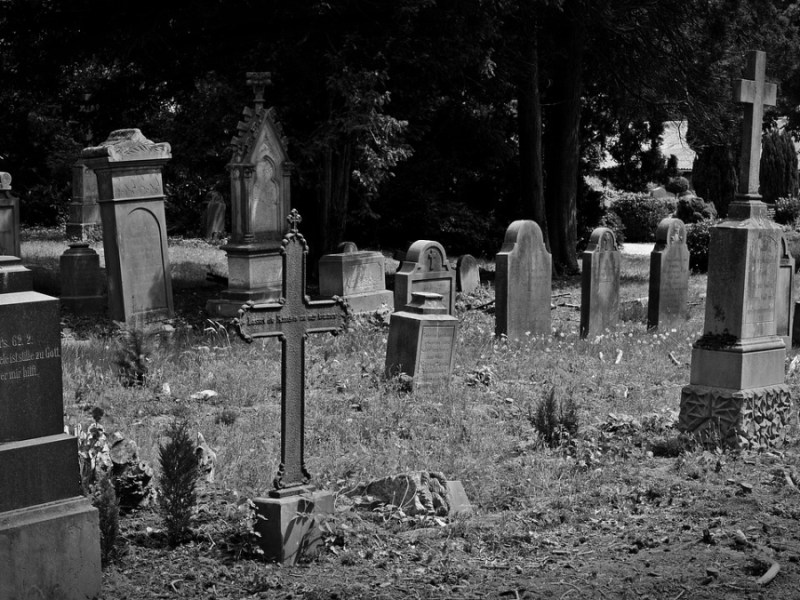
{"x": 755, "y": 93}
{"x": 259, "y": 80}
{"x": 291, "y": 319}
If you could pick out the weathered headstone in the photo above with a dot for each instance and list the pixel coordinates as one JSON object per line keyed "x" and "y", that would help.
{"x": 289, "y": 525}
{"x": 357, "y": 276}
{"x": 49, "y": 532}
{"x": 425, "y": 269}
{"x": 600, "y": 283}
{"x": 9, "y": 218}
{"x": 667, "y": 303}
{"x": 737, "y": 395}
{"x": 81, "y": 280}
{"x": 83, "y": 218}
{"x": 215, "y": 216}
{"x": 260, "y": 173}
{"x": 422, "y": 339}
{"x": 468, "y": 275}
{"x": 784, "y": 297}
{"x": 131, "y": 198}
{"x": 523, "y": 282}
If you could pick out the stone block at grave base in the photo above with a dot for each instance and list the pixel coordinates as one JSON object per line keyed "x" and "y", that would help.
{"x": 357, "y": 277}
{"x": 81, "y": 280}
{"x": 14, "y": 277}
{"x": 255, "y": 274}
{"x": 747, "y": 419}
{"x": 748, "y": 364}
{"x": 51, "y": 551}
{"x": 290, "y": 527}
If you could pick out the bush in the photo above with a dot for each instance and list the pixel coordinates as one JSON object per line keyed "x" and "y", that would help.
{"x": 556, "y": 421}
{"x": 179, "y": 476}
{"x": 787, "y": 210}
{"x": 692, "y": 209}
{"x": 677, "y": 186}
{"x": 640, "y": 214}
{"x": 698, "y": 238}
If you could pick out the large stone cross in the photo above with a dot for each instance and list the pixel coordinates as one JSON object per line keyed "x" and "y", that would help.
{"x": 291, "y": 319}
{"x": 755, "y": 93}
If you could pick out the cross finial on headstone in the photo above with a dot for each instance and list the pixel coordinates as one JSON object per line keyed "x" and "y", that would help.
{"x": 755, "y": 93}
{"x": 259, "y": 80}
{"x": 5, "y": 181}
{"x": 294, "y": 219}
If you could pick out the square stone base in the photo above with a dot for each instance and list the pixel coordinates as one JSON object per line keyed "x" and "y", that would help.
{"x": 289, "y": 527}
{"x": 369, "y": 302}
{"x": 747, "y": 419}
{"x": 51, "y": 551}
{"x": 739, "y": 368}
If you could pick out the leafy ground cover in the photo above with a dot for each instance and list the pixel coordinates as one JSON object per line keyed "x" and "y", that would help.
{"x": 621, "y": 508}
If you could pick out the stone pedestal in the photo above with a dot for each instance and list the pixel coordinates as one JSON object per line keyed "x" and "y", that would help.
{"x": 131, "y": 198}
{"x": 737, "y": 396}
{"x": 49, "y": 533}
{"x": 356, "y": 276}
{"x": 81, "y": 280}
{"x": 83, "y": 219}
{"x": 9, "y": 218}
{"x": 255, "y": 274}
{"x": 422, "y": 340}
{"x": 289, "y": 526}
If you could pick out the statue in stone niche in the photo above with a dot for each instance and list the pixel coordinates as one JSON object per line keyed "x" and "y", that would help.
{"x": 265, "y": 196}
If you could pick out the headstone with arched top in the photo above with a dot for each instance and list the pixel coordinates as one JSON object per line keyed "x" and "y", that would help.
{"x": 600, "y": 283}
{"x": 425, "y": 269}
{"x": 667, "y": 303}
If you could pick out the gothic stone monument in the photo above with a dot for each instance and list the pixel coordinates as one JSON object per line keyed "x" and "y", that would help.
{"x": 425, "y": 269}
{"x": 260, "y": 174}
{"x": 600, "y": 283}
{"x": 523, "y": 282}
{"x": 49, "y": 532}
{"x": 131, "y": 198}
{"x": 422, "y": 340}
{"x": 358, "y": 276}
{"x": 667, "y": 303}
{"x": 737, "y": 395}
{"x": 289, "y": 527}
{"x": 9, "y": 218}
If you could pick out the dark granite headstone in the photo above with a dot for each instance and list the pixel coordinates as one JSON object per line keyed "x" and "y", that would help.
{"x": 422, "y": 339}
{"x": 667, "y": 304}
{"x": 84, "y": 211}
{"x": 131, "y": 197}
{"x": 600, "y": 283}
{"x": 81, "y": 280}
{"x": 425, "y": 269}
{"x": 523, "y": 282}
{"x": 468, "y": 275}
{"x": 49, "y": 533}
{"x": 9, "y": 218}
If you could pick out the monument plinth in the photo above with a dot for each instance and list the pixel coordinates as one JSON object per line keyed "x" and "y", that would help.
{"x": 737, "y": 395}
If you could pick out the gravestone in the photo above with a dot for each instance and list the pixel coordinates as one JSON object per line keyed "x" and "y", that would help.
{"x": 83, "y": 218}
{"x": 357, "y": 276}
{"x": 736, "y": 394}
{"x": 425, "y": 269}
{"x": 9, "y": 218}
{"x": 523, "y": 282}
{"x": 600, "y": 283}
{"x": 260, "y": 173}
{"x": 49, "y": 532}
{"x": 214, "y": 216}
{"x": 422, "y": 339}
{"x": 468, "y": 275}
{"x": 289, "y": 526}
{"x": 131, "y": 197}
{"x": 668, "y": 299}
{"x": 81, "y": 280}
{"x": 784, "y": 296}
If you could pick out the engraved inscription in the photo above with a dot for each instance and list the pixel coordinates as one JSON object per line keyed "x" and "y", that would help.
{"x": 134, "y": 186}
{"x": 436, "y": 348}
{"x": 674, "y": 282}
{"x": 20, "y": 357}
{"x": 762, "y": 276}
{"x": 143, "y": 263}
{"x": 366, "y": 277}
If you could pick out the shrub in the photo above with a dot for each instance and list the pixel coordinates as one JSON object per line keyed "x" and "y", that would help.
{"x": 692, "y": 209}
{"x": 787, "y": 210}
{"x": 698, "y": 237}
{"x": 179, "y": 476}
{"x": 778, "y": 166}
{"x": 593, "y": 213}
{"x": 640, "y": 214}
{"x": 556, "y": 421}
{"x": 677, "y": 185}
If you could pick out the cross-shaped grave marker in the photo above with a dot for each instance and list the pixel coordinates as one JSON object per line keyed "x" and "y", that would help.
{"x": 291, "y": 319}
{"x": 755, "y": 93}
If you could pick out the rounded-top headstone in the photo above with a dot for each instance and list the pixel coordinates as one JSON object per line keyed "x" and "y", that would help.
{"x": 468, "y": 277}
{"x": 428, "y": 256}
{"x": 670, "y": 231}
{"x": 603, "y": 240}
{"x": 5, "y": 181}
{"x": 347, "y": 248}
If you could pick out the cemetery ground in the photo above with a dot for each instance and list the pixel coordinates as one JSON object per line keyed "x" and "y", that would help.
{"x": 619, "y": 507}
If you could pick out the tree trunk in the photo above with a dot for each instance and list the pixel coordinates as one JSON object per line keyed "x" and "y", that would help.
{"x": 337, "y": 165}
{"x": 529, "y": 112}
{"x": 562, "y": 145}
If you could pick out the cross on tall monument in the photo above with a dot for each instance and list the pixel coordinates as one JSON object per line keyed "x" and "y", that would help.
{"x": 259, "y": 80}
{"x": 291, "y": 319}
{"x": 755, "y": 93}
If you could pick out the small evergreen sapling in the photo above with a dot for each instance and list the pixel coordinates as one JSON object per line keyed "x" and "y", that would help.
{"x": 179, "y": 476}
